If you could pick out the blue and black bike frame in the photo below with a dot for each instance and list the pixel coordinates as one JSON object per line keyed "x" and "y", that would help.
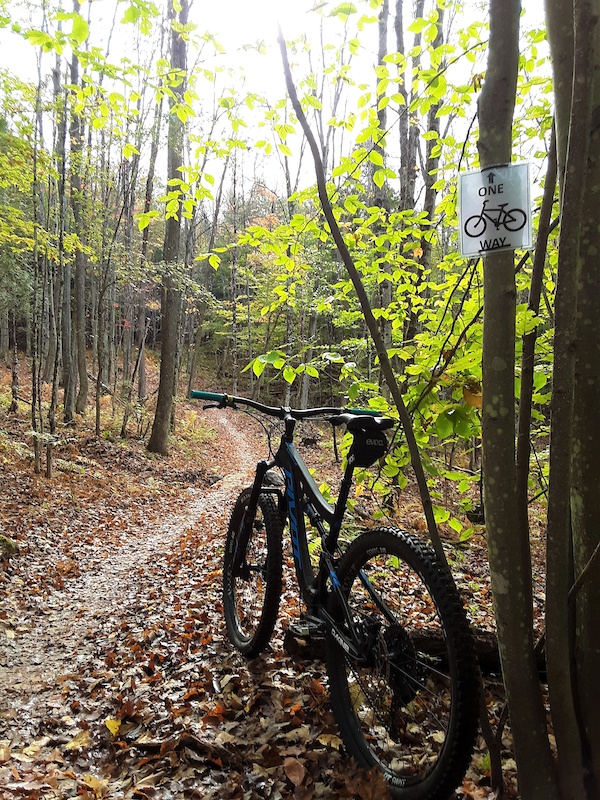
{"x": 300, "y": 496}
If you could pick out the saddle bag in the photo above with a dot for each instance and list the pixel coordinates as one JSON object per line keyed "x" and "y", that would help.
{"x": 368, "y": 447}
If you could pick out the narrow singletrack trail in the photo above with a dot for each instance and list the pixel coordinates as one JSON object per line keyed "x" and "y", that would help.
{"x": 51, "y": 645}
{"x": 67, "y": 632}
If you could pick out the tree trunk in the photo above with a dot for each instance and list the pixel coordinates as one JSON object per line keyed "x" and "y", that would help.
{"x": 508, "y": 542}
{"x": 573, "y": 627}
{"x": 408, "y": 129}
{"x": 4, "y": 334}
{"x": 76, "y": 145}
{"x": 171, "y": 296}
{"x": 431, "y": 167}
{"x": 305, "y": 385}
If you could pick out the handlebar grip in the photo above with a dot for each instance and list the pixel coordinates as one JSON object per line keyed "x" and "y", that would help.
{"x": 196, "y": 394}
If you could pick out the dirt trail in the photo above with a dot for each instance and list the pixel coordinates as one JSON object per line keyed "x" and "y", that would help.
{"x": 55, "y": 637}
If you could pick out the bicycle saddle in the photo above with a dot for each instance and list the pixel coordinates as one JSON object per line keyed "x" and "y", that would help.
{"x": 363, "y": 422}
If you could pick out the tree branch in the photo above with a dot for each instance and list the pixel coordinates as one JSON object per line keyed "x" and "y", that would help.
{"x": 370, "y": 321}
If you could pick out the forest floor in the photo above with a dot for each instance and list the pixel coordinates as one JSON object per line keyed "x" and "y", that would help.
{"x": 116, "y": 676}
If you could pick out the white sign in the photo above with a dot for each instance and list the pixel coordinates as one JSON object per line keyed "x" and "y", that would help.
{"x": 495, "y": 209}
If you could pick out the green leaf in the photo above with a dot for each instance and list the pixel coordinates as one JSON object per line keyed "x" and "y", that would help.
{"x": 418, "y": 25}
{"x": 81, "y": 30}
{"x": 467, "y": 534}
{"x": 143, "y": 220}
{"x": 441, "y": 514}
{"x": 463, "y": 428}
{"x": 276, "y": 358}
{"x": 455, "y": 524}
{"x": 129, "y": 150}
{"x": 343, "y": 10}
{"x": 289, "y": 374}
{"x": 379, "y": 177}
{"x": 443, "y": 426}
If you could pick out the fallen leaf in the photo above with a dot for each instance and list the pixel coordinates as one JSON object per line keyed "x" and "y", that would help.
{"x": 295, "y": 770}
{"x": 113, "y": 725}
{"x": 472, "y": 398}
{"x": 330, "y": 740}
{"x": 81, "y": 741}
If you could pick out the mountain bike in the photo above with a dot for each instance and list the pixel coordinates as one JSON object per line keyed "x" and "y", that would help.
{"x": 400, "y": 659}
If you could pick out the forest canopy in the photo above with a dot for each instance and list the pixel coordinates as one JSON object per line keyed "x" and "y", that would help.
{"x": 157, "y": 193}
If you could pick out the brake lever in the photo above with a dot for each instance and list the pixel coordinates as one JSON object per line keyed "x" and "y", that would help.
{"x": 222, "y": 404}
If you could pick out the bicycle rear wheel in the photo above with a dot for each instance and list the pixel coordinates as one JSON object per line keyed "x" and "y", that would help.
{"x": 410, "y": 707}
{"x": 252, "y": 578}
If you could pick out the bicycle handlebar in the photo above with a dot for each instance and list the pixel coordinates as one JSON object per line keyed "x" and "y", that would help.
{"x": 229, "y": 401}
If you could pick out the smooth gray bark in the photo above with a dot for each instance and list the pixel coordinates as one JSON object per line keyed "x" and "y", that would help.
{"x": 508, "y": 543}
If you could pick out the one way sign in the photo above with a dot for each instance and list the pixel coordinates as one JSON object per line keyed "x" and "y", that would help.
{"x": 495, "y": 209}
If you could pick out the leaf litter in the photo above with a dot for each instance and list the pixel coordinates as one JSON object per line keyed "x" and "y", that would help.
{"x": 116, "y": 676}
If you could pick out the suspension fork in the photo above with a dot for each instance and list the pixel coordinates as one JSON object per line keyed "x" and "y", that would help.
{"x": 245, "y": 528}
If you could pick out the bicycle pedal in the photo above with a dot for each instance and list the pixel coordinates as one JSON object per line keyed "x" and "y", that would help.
{"x": 307, "y": 629}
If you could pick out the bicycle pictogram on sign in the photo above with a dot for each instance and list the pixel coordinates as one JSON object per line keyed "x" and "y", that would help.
{"x": 494, "y": 209}
{"x": 512, "y": 219}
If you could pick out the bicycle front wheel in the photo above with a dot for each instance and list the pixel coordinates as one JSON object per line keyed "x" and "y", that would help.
{"x": 409, "y": 706}
{"x": 252, "y": 571}
{"x": 475, "y": 226}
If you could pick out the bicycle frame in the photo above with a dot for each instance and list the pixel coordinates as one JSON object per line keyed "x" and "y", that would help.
{"x": 302, "y": 498}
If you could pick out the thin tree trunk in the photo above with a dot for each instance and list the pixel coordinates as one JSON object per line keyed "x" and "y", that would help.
{"x": 305, "y": 386}
{"x": 381, "y": 192}
{"x": 37, "y": 419}
{"x": 171, "y": 295}
{"x": 4, "y": 334}
{"x": 431, "y": 167}
{"x": 508, "y": 543}
{"x": 573, "y": 441}
{"x": 76, "y": 133}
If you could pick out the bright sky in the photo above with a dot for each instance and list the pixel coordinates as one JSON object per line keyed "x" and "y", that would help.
{"x": 234, "y": 23}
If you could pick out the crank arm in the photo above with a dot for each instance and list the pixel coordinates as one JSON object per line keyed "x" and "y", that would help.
{"x": 348, "y": 645}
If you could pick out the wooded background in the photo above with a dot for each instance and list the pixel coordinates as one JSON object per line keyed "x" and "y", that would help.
{"x": 152, "y": 197}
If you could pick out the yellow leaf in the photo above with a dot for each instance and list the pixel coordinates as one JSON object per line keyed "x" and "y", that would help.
{"x": 113, "y": 725}
{"x": 83, "y": 739}
{"x": 330, "y": 740}
{"x": 97, "y": 785}
{"x": 472, "y": 398}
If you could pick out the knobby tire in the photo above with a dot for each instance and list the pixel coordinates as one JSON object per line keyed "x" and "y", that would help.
{"x": 251, "y": 591}
{"x": 411, "y": 708}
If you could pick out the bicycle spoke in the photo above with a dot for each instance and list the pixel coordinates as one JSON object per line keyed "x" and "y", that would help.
{"x": 396, "y": 704}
